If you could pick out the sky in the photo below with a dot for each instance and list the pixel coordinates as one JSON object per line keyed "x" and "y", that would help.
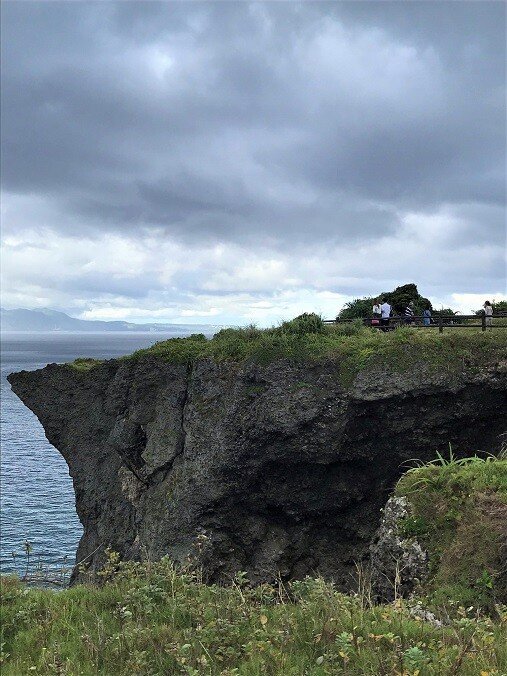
{"x": 237, "y": 162}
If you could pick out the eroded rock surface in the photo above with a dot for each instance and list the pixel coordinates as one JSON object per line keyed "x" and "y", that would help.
{"x": 266, "y": 469}
{"x": 398, "y": 563}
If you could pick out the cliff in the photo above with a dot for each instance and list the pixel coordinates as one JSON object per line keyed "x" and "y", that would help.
{"x": 273, "y": 467}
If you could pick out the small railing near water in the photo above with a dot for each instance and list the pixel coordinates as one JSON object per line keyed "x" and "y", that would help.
{"x": 437, "y": 322}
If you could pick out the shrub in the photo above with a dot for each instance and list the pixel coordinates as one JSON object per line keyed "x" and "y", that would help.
{"x": 359, "y": 308}
{"x": 304, "y": 324}
{"x": 499, "y": 308}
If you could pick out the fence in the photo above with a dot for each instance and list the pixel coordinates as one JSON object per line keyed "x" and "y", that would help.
{"x": 438, "y": 322}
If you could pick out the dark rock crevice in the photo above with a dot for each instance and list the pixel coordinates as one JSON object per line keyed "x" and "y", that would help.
{"x": 161, "y": 473}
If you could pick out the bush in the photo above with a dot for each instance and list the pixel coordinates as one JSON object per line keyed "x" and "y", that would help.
{"x": 450, "y": 315}
{"x": 84, "y": 363}
{"x": 360, "y": 308}
{"x": 353, "y": 328}
{"x": 302, "y": 325}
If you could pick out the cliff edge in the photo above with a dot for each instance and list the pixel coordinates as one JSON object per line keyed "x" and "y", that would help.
{"x": 271, "y": 468}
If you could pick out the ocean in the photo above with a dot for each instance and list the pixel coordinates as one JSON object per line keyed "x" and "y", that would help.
{"x": 37, "y": 498}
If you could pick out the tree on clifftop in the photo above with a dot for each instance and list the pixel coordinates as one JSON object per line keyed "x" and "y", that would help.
{"x": 357, "y": 309}
{"x": 399, "y": 299}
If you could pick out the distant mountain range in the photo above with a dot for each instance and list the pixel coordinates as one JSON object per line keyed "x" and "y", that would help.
{"x": 51, "y": 320}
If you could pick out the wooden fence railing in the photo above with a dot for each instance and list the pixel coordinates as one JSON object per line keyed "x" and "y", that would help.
{"x": 437, "y": 322}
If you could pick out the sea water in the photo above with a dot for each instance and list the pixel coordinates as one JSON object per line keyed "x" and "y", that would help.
{"x": 37, "y": 497}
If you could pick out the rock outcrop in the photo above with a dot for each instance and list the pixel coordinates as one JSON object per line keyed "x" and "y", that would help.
{"x": 397, "y": 563}
{"x": 443, "y": 536}
{"x": 275, "y": 469}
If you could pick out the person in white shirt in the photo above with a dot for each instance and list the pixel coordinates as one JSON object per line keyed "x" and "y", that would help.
{"x": 385, "y": 310}
{"x": 488, "y": 311}
{"x": 377, "y": 312}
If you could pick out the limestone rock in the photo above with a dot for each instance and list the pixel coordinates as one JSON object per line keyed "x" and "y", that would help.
{"x": 397, "y": 563}
{"x": 281, "y": 467}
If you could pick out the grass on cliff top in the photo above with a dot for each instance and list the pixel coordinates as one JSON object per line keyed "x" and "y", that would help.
{"x": 150, "y": 619}
{"x": 352, "y": 346}
{"x": 460, "y": 516}
{"x": 84, "y": 363}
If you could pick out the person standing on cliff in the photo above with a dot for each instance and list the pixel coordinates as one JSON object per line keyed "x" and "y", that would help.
{"x": 488, "y": 311}
{"x": 409, "y": 313}
{"x": 427, "y": 317}
{"x": 376, "y": 313}
{"x": 385, "y": 310}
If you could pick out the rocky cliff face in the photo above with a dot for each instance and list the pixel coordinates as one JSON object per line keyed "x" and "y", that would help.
{"x": 266, "y": 469}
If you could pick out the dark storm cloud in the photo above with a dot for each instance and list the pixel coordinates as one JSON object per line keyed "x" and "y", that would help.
{"x": 237, "y": 121}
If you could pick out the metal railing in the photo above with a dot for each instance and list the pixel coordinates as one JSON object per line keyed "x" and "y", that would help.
{"x": 437, "y": 322}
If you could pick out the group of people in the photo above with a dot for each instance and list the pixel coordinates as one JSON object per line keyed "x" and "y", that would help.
{"x": 382, "y": 311}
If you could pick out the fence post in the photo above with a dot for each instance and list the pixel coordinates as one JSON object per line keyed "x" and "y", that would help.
{"x": 440, "y": 324}
{"x": 483, "y": 321}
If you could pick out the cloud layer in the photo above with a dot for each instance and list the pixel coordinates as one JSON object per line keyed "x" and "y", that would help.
{"x": 246, "y": 161}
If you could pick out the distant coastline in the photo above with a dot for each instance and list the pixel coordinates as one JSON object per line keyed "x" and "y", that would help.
{"x": 21, "y": 320}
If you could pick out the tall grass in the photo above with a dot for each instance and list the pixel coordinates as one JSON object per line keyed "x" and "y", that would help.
{"x": 151, "y": 619}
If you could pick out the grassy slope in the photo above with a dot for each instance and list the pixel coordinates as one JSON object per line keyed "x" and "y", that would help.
{"x": 150, "y": 619}
{"x": 352, "y": 347}
{"x": 460, "y": 517}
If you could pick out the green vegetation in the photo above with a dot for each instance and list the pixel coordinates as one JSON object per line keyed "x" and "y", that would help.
{"x": 150, "y": 619}
{"x": 359, "y": 308}
{"x": 352, "y": 347}
{"x": 449, "y": 316}
{"x": 459, "y": 515}
{"x": 84, "y": 363}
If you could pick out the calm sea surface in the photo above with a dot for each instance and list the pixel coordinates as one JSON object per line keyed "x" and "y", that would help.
{"x": 37, "y": 498}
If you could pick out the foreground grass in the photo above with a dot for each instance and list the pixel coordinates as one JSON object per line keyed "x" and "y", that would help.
{"x": 151, "y": 619}
{"x": 459, "y": 515}
{"x": 351, "y": 346}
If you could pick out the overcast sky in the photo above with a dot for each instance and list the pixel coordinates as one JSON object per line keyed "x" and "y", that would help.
{"x": 236, "y": 162}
